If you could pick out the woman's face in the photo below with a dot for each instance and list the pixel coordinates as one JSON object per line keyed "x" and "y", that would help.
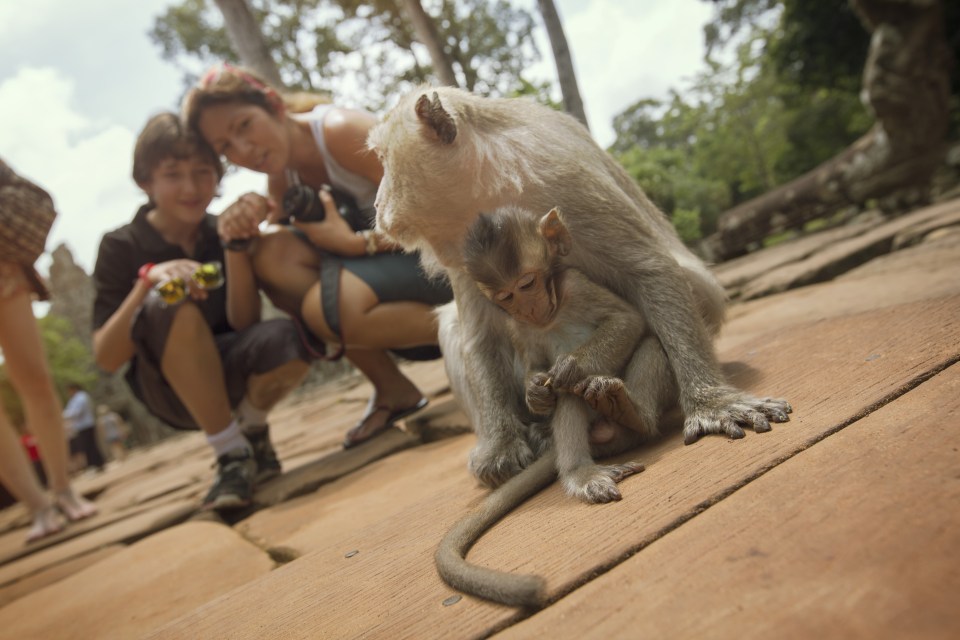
{"x": 183, "y": 188}
{"x": 247, "y": 135}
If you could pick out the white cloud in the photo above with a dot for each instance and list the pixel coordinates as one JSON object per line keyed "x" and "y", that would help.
{"x": 83, "y": 163}
{"x": 626, "y": 51}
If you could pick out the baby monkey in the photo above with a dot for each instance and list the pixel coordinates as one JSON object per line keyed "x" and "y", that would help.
{"x": 574, "y": 338}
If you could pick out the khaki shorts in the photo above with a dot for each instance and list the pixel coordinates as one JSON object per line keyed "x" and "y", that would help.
{"x": 256, "y": 350}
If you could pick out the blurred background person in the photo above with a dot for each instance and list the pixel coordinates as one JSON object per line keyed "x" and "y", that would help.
{"x": 26, "y": 214}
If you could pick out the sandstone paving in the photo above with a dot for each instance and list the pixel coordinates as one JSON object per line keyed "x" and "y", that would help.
{"x": 912, "y": 275}
{"x": 734, "y": 274}
{"x": 141, "y": 587}
{"x": 839, "y": 257}
{"x": 38, "y": 579}
{"x": 838, "y": 351}
{"x": 857, "y": 537}
{"x": 389, "y": 586}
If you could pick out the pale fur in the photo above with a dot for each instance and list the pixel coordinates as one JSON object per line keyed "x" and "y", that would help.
{"x": 516, "y": 152}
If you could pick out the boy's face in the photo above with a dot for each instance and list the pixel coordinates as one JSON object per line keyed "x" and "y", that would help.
{"x": 183, "y": 188}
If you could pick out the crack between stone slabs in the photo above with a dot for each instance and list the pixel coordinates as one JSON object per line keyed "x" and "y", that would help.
{"x": 606, "y": 567}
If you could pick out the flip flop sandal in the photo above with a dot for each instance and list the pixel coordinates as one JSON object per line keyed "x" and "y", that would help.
{"x": 392, "y": 417}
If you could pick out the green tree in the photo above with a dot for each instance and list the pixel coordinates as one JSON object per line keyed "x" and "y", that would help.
{"x": 69, "y": 359}
{"x": 366, "y": 50}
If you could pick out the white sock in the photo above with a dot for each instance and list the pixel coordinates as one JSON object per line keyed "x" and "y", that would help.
{"x": 229, "y": 440}
{"x": 249, "y": 416}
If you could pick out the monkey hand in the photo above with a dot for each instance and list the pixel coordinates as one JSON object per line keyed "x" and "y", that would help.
{"x": 726, "y": 410}
{"x": 540, "y": 396}
{"x": 566, "y": 373}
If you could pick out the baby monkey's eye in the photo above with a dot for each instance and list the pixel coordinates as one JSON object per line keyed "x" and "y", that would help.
{"x": 526, "y": 281}
{"x": 504, "y": 296}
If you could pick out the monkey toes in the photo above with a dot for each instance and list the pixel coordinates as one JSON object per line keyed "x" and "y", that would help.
{"x": 608, "y": 396}
{"x": 597, "y": 484}
{"x": 730, "y": 411}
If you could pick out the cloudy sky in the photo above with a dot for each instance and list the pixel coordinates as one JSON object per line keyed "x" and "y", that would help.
{"x": 79, "y": 79}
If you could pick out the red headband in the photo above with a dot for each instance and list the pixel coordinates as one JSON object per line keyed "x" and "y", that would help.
{"x": 213, "y": 75}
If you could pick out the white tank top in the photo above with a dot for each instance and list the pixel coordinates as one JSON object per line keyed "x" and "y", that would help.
{"x": 363, "y": 191}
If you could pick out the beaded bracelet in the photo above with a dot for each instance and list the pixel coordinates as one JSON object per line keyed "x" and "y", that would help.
{"x": 144, "y": 273}
{"x": 371, "y": 240}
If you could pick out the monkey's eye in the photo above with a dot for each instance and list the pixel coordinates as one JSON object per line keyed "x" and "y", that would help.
{"x": 504, "y": 297}
{"x": 526, "y": 281}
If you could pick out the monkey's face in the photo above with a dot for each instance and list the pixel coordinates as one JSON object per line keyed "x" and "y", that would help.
{"x": 530, "y": 298}
{"x": 425, "y": 198}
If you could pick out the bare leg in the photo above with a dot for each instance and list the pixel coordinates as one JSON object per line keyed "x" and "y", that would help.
{"x": 267, "y": 389}
{"x": 286, "y": 268}
{"x": 27, "y": 366}
{"x": 368, "y": 323}
{"x": 393, "y": 392}
{"x": 29, "y": 372}
{"x": 191, "y": 364}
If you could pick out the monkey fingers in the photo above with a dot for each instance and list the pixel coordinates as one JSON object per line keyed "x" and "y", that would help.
{"x": 540, "y": 396}
{"x": 565, "y": 373}
{"x": 727, "y": 410}
{"x": 608, "y": 396}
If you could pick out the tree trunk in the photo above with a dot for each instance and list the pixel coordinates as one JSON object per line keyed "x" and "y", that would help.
{"x": 247, "y": 40}
{"x": 426, "y": 32}
{"x": 572, "y": 103}
{"x": 906, "y": 83}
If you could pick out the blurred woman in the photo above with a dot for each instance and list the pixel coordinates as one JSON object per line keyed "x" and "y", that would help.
{"x": 351, "y": 287}
{"x": 26, "y": 214}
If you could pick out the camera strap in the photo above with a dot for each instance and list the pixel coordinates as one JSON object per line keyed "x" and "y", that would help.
{"x": 330, "y": 268}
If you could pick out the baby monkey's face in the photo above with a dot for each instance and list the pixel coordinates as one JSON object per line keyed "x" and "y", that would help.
{"x": 530, "y": 298}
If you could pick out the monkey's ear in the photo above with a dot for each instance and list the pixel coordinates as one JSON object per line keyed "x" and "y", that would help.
{"x": 555, "y": 232}
{"x": 432, "y": 114}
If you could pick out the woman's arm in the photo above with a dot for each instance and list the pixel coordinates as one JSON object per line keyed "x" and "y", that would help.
{"x": 238, "y": 221}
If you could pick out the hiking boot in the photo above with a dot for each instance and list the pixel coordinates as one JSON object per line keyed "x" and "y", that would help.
{"x": 268, "y": 465}
{"x": 233, "y": 487}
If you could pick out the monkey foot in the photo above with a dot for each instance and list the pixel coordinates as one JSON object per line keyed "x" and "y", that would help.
{"x": 729, "y": 410}
{"x": 598, "y": 483}
{"x": 608, "y": 396}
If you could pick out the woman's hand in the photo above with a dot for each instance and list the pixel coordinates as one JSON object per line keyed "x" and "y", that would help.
{"x": 332, "y": 234}
{"x": 241, "y": 220}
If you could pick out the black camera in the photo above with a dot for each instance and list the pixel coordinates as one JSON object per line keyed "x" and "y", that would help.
{"x": 302, "y": 203}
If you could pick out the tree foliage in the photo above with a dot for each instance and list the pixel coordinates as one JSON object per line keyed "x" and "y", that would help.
{"x": 70, "y": 361}
{"x": 779, "y": 97}
{"x": 363, "y": 52}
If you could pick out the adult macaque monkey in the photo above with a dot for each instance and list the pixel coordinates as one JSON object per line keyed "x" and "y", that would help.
{"x": 447, "y": 156}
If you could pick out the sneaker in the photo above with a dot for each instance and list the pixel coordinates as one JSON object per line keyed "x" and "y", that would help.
{"x": 268, "y": 465}
{"x": 233, "y": 487}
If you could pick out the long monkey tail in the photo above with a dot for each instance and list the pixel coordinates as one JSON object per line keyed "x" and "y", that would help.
{"x": 506, "y": 588}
